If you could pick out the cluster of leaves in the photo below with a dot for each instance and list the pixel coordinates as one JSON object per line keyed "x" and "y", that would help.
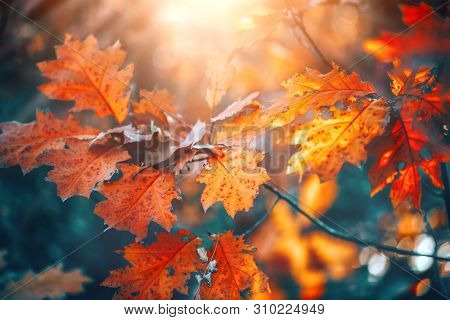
{"x": 346, "y": 120}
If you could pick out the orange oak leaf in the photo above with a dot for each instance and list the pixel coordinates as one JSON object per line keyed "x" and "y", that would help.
{"x": 154, "y": 105}
{"x": 78, "y": 168}
{"x": 90, "y": 76}
{"x": 326, "y": 144}
{"x": 310, "y": 91}
{"x": 236, "y": 270}
{"x": 313, "y": 90}
{"x": 158, "y": 269}
{"x": 21, "y": 144}
{"x": 427, "y": 34}
{"x": 243, "y": 127}
{"x": 232, "y": 178}
{"x": 136, "y": 199}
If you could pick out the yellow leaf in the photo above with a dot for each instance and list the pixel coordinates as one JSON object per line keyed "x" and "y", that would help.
{"x": 326, "y": 144}
{"x": 234, "y": 179}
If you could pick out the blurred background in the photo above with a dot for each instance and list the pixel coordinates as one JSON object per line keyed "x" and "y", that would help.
{"x": 174, "y": 44}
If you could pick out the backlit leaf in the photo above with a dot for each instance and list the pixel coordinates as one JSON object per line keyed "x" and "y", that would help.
{"x": 138, "y": 198}
{"x": 90, "y": 76}
{"x": 233, "y": 179}
{"x": 158, "y": 269}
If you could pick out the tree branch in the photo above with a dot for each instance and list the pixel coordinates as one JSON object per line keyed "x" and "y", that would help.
{"x": 262, "y": 219}
{"x": 436, "y": 271}
{"x": 348, "y": 237}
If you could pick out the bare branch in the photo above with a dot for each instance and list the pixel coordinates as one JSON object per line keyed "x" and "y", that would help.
{"x": 262, "y": 219}
{"x": 347, "y": 236}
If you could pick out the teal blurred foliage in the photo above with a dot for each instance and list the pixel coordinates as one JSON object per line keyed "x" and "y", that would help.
{"x": 37, "y": 228}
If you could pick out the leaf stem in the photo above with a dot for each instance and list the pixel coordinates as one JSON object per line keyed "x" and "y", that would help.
{"x": 347, "y": 236}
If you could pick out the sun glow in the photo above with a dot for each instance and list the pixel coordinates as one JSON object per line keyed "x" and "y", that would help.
{"x": 181, "y": 13}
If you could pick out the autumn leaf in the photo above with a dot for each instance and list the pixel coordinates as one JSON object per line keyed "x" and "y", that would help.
{"x": 427, "y": 34}
{"x": 138, "y": 198}
{"x": 241, "y": 122}
{"x": 128, "y": 134}
{"x": 307, "y": 92}
{"x": 185, "y": 151}
{"x": 324, "y": 247}
{"x": 409, "y": 82}
{"x": 434, "y": 103}
{"x": 399, "y": 153}
{"x": 312, "y": 90}
{"x": 409, "y": 223}
{"x": 326, "y": 144}
{"x": 53, "y": 284}
{"x": 90, "y": 76}
{"x": 219, "y": 73}
{"x": 398, "y": 158}
{"x": 158, "y": 269}
{"x": 236, "y": 270}
{"x": 232, "y": 178}
{"x": 155, "y": 147}
{"x": 315, "y": 197}
{"x": 422, "y": 97}
{"x": 21, "y": 144}
{"x": 194, "y": 136}
{"x": 235, "y": 107}
{"x": 147, "y": 144}
{"x": 78, "y": 168}
{"x": 244, "y": 126}
{"x": 155, "y": 106}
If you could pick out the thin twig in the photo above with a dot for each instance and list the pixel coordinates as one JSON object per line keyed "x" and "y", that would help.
{"x": 298, "y": 20}
{"x": 27, "y": 283}
{"x": 348, "y": 237}
{"x": 262, "y": 219}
